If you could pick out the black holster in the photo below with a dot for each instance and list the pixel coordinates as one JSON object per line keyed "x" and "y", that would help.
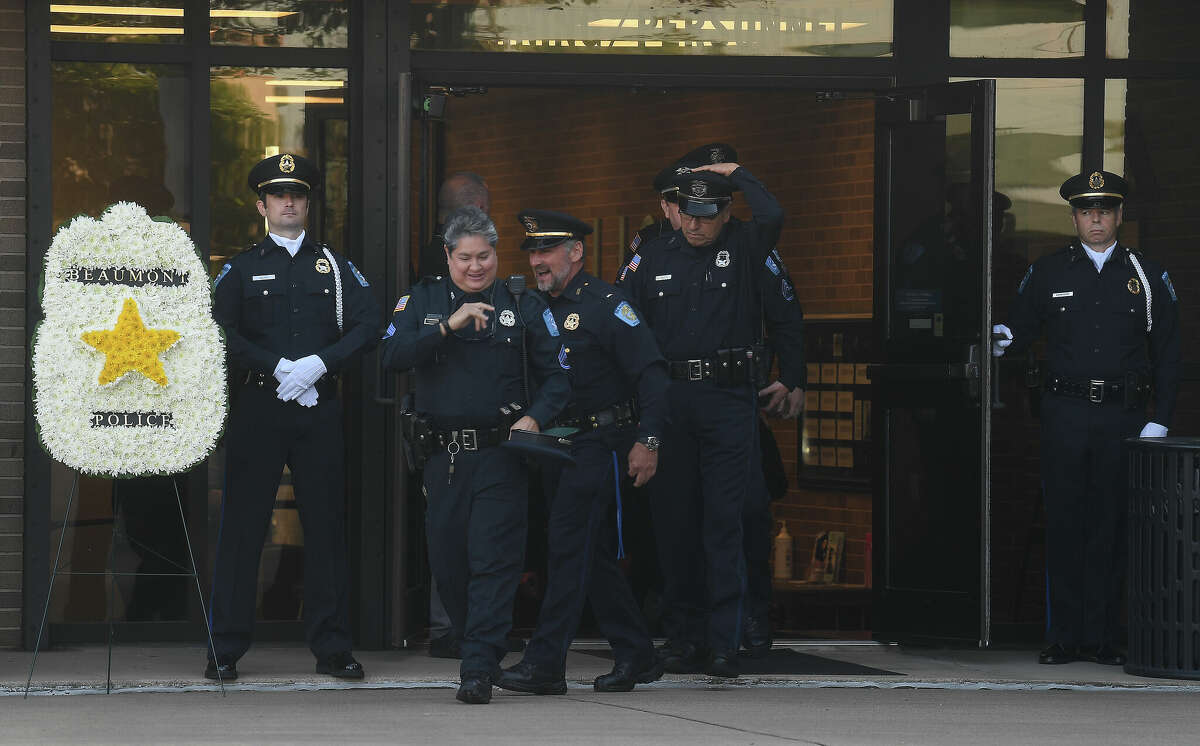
{"x": 416, "y": 436}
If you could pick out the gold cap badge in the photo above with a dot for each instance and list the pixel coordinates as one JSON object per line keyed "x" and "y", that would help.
{"x": 1096, "y": 180}
{"x": 531, "y": 225}
{"x": 287, "y": 164}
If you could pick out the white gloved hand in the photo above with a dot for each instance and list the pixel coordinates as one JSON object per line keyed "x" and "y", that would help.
{"x": 1153, "y": 430}
{"x": 305, "y": 374}
{"x": 308, "y": 397}
{"x": 999, "y": 345}
{"x": 282, "y": 368}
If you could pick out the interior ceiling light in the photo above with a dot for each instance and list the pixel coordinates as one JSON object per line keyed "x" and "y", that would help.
{"x": 305, "y": 100}
{"x": 252, "y": 13}
{"x": 116, "y": 10}
{"x": 126, "y": 30}
{"x": 310, "y": 83}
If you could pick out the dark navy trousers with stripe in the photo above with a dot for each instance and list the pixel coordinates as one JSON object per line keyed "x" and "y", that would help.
{"x": 582, "y": 560}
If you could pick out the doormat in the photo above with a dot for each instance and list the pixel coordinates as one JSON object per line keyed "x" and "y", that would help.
{"x": 788, "y": 662}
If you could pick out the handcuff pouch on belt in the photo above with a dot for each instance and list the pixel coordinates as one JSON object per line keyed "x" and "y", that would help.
{"x": 741, "y": 365}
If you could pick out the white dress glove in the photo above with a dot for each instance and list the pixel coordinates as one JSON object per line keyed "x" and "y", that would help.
{"x": 308, "y": 397}
{"x": 999, "y": 345}
{"x": 282, "y": 368}
{"x": 305, "y": 374}
{"x": 1153, "y": 430}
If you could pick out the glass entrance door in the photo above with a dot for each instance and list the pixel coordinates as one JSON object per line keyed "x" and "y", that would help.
{"x": 932, "y": 384}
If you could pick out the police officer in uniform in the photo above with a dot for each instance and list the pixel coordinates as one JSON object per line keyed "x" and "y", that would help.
{"x": 468, "y": 336}
{"x": 619, "y": 385}
{"x": 295, "y": 315}
{"x": 699, "y": 290}
{"x": 1111, "y": 320}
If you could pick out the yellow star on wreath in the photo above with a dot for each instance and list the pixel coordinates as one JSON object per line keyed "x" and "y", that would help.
{"x": 130, "y": 346}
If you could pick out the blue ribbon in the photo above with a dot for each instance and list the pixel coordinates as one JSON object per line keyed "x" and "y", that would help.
{"x": 617, "y": 485}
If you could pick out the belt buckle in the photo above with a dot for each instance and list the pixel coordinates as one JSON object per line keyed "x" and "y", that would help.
{"x": 695, "y": 370}
{"x": 470, "y": 440}
{"x": 1095, "y": 391}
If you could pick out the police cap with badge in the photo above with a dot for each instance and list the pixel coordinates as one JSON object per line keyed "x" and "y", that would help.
{"x": 284, "y": 173}
{"x": 703, "y": 194}
{"x": 546, "y": 228}
{"x": 1095, "y": 189}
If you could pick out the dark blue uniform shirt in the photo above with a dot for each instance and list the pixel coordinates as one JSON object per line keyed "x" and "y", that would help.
{"x": 464, "y": 378}
{"x": 1096, "y": 321}
{"x": 698, "y": 301}
{"x": 612, "y": 353}
{"x": 785, "y": 321}
{"x": 273, "y": 305}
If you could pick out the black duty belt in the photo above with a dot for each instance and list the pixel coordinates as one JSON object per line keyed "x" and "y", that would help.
{"x": 326, "y": 384}
{"x": 1131, "y": 391}
{"x": 471, "y": 438}
{"x": 621, "y": 414}
{"x": 730, "y": 367}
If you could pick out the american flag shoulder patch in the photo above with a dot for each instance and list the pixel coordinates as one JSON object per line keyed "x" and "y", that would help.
{"x": 402, "y": 303}
{"x": 634, "y": 262}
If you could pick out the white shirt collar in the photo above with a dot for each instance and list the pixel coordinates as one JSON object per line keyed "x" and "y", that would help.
{"x": 1098, "y": 258}
{"x": 291, "y": 244}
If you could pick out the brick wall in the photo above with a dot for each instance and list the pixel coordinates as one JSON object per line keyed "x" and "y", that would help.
{"x": 818, "y": 159}
{"x": 12, "y": 313}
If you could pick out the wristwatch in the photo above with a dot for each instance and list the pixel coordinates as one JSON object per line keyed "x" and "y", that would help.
{"x": 652, "y": 443}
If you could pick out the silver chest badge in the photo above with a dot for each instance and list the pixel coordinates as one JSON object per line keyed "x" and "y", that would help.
{"x": 507, "y": 318}
{"x": 722, "y": 258}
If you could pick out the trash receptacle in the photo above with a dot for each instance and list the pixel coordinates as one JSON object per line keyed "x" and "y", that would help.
{"x": 1164, "y": 557}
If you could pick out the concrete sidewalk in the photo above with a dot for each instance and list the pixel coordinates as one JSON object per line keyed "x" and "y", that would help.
{"x": 289, "y": 667}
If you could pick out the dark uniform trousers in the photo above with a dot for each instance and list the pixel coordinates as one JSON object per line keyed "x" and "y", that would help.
{"x": 263, "y": 434}
{"x": 1084, "y": 475}
{"x": 698, "y": 497}
{"x": 756, "y": 537}
{"x": 582, "y": 560}
{"x": 476, "y": 524}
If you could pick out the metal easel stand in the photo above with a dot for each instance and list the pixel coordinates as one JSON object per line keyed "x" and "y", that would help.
{"x": 188, "y": 572}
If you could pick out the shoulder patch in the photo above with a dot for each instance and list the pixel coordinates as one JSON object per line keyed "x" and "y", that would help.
{"x": 625, "y": 313}
{"x": 786, "y": 290}
{"x": 1170, "y": 288}
{"x": 400, "y": 304}
{"x": 562, "y": 358}
{"x": 225, "y": 270}
{"x": 636, "y": 242}
{"x": 773, "y": 266}
{"x": 358, "y": 275}
{"x": 1025, "y": 280}
{"x": 551, "y": 325}
{"x": 634, "y": 262}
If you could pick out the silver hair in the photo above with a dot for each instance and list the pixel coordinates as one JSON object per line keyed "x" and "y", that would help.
{"x": 469, "y": 221}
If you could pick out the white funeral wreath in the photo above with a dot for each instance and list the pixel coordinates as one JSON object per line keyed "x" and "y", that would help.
{"x": 128, "y": 363}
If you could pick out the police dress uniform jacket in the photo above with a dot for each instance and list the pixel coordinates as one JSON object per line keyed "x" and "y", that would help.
{"x": 700, "y": 300}
{"x": 465, "y": 378}
{"x": 274, "y": 306}
{"x": 784, "y": 321}
{"x": 1096, "y": 321}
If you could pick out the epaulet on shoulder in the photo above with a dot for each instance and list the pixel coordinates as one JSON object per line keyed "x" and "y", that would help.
{"x": 429, "y": 279}
{"x": 604, "y": 291}
{"x": 1136, "y": 252}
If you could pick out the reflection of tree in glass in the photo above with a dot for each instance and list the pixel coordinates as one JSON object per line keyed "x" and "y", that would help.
{"x": 240, "y": 133}
{"x": 109, "y": 138}
{"x": 316, "y": 23}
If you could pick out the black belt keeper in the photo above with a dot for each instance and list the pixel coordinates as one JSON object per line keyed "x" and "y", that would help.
{"x": 621, "y": 414}
{"x": 734, "y": 366}
{"x": 1131, "y": 392}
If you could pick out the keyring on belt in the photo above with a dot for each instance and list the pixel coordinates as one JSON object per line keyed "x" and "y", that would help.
{"x": 452, "y": 448}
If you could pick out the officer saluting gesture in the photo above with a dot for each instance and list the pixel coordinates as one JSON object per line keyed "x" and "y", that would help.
{"x": 1111, "y": 321}
{"x": 294, "y": 314}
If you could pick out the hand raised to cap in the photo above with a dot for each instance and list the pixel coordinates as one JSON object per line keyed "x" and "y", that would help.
{"x": 724, "y": 169}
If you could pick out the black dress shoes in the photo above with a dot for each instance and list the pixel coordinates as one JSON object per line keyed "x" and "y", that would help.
{"x": 756, "y": 636}
{"x": 626, "y": 674}
{"x": 682, "y": 657}
{"x": 1056, "y": 654}
{"x": 525, "y": 677}
{"x": 342, "y": 665}
{"x": 475, "y": 689}
{"x": 222, "y": 672}
{"x": 723, "y": 663}
{"x": 1105, "y": 655}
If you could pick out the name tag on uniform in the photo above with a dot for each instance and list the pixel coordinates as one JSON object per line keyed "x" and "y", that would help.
{"x": 432, "y": 319}
{"x": 662, "y": 277}
{"x": 259, "y": 278}
{"x": 1066, "y": 294}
